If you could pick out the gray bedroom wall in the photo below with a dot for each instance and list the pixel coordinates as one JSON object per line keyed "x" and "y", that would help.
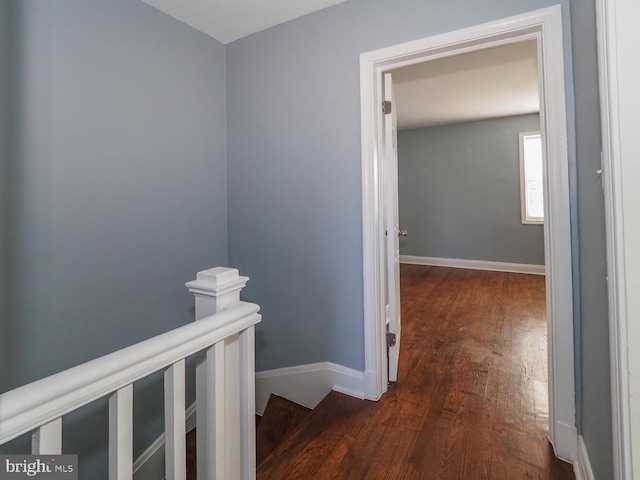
{"x": 595, "y": 418}
{"x": 121, "y": 192}
{"x": 294, "y": 176}
{"x": 459, "y": 192}
{"x": 8, "y": 43}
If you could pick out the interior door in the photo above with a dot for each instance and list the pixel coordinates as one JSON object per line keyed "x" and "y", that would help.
{"x": 391, "y": 221}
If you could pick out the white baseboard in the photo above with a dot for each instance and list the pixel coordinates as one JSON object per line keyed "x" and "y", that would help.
{"x": 474, "y": 264}
{"x": 582, "y": 466}
{"x": 307, "y": 384}
{"x": 371, "y": 385}
{"x": 150, "y": 465}
{"x": 565, "y": 442}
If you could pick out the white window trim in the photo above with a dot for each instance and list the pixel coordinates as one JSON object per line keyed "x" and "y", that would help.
{"x": 526, "y": 219}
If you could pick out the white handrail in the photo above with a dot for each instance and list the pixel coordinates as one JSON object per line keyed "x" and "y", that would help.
{"x": 28, "y": 407}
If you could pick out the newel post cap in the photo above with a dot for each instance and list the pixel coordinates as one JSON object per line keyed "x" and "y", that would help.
{"x": 216, "y": 282}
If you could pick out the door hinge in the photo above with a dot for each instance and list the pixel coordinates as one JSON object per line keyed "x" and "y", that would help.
{"x": 391, "y": 339}
{"x": 386, "y": 107}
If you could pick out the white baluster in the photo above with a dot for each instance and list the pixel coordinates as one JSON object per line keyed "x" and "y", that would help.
{"x": 47, "y": 440}
{"x": 203, "y": 446}
{"x": 174, "y": 415}
{"x": 214, "y": 431}
{"x": 215, "y": 290}
{"x": 121, "y": 434}
{"x": 248, "y": 403}
{"x": 233, "y": 435}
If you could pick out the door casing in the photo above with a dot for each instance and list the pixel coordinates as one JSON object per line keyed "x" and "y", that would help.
{"x": 619, "y": 72}
{"x": 544, "y": 26}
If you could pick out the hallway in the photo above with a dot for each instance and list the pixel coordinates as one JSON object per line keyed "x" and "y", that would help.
{"x": 471, "y": 400}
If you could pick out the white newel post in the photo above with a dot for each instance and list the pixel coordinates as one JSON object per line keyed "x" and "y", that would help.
{"x": 225, "y": 385}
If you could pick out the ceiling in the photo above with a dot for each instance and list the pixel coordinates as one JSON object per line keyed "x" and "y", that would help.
{"x": 229, "y": 20}
{"x": 492, "y": 83}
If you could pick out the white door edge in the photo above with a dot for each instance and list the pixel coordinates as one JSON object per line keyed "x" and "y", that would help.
{"x": 545, "y": 26}
{"x": 392, "y": 268}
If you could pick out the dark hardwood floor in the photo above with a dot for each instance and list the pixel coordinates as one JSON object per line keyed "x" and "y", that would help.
{"x": 281, "y": 417}
{"x": 471, "y": 398}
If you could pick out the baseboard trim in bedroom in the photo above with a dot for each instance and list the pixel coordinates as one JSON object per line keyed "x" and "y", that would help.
{"x": 474, "y": 264}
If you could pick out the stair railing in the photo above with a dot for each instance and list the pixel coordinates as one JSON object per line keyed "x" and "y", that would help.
{"x": 223, "y": 341}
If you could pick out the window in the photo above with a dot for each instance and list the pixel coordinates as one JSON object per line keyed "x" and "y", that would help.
{"x": 531, "y": 186}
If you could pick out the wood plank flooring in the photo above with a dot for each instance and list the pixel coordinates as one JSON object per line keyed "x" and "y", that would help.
{"x": 280, "y": 418}
{"x": 471, "y": 397}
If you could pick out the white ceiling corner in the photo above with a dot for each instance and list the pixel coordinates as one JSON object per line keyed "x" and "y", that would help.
{"x": 229, "y": 20}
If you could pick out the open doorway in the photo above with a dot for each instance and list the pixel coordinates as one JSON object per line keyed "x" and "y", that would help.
{"x": 544, "y": 28}
{"x": 471, "y": 249}
{"x": 469, "y": 176}
{"x": 469, "y": 186}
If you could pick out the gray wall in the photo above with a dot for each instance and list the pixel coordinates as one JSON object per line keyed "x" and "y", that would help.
{"x": 459, "y": 192}
{"x": 295, "y": 225}
{"x": 121, "y": 191}
{"x": 294, "y": 177}
{"x": 8, "y": 43}
{"x": 118, "y": 178}
{"x": 595, "y": 417}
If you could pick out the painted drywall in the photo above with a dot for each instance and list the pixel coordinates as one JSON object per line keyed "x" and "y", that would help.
{"x": 7, "y": 111}
{"x": 294, "y": 178}
{"x": 8, "y": 44}
{"x": 121, "y": 192}
{"x": 294, "y": 175}
{"x": 459, "y": 192}
{"x": 595, "y": 400}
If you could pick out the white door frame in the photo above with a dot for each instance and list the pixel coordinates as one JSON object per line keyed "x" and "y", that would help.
{"x": 619, "y": 75}
{"x": 545, "y": 26}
